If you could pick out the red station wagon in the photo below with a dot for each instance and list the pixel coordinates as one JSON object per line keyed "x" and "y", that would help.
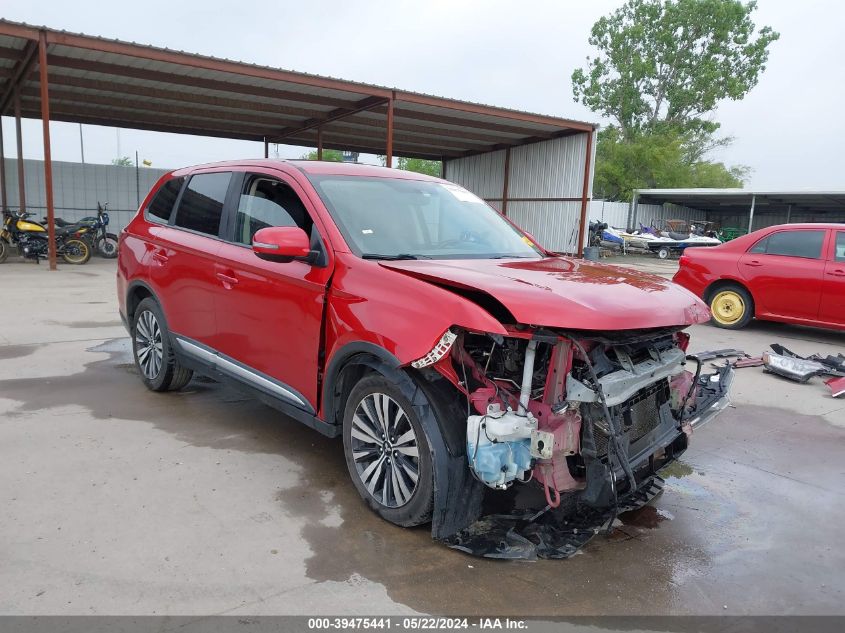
{"x": 793, "y": 273}
{"x": 452, "y": 353}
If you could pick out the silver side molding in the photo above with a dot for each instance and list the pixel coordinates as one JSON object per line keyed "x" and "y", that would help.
{"x": 247, "y": 375}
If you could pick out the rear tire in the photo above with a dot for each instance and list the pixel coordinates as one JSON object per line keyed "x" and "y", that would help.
{"x": 393, "y": 473}
{"x": 157, "y": 365}
{"x": 76, "y": 252}
{"x": 731, "y": 307}
{"x": 663, "y": 253}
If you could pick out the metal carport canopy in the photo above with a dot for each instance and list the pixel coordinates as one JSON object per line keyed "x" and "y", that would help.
{"x": 115, "y": 83}
{"x": 727, "y": 202}
{"x": 93, "y": 80}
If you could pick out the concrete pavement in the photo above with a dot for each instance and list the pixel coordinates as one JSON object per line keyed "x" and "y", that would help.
{"x": 120, "y": 501}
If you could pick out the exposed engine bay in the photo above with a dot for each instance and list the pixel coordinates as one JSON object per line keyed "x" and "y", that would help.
{"x": 586, "y": 418}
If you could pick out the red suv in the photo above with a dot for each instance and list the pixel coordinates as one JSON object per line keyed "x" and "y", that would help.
{"x": 452, "y": 353}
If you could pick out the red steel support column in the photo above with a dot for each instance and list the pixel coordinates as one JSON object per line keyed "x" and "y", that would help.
{"x": 48, "y": 165}
{"x": 585, "y": 194}
{"x": 388, "y": 154}
{"x": 21, "y": 181}
{"x": 266, "y": 148}
{"x": 320, "y": 143}
{"x": 2, "y": 171}
{"x": 506, "y": 180}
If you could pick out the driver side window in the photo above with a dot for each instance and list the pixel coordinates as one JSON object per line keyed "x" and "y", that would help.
{"x": 267, "y": 201}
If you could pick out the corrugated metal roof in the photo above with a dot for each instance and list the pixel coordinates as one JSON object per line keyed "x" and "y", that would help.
{"x": 733, "y": 201}
{"x": 110, "y": 82}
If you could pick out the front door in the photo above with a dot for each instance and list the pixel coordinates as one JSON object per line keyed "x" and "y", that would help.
{"x": 270, "y": 314}
{"x": 785, "y": 272}
{"x": 833, "y": 291}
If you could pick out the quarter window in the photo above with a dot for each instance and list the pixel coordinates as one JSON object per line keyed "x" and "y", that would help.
{"x": 840, "y": 246}
{"x": 807, "y": 244}
{"x": 202, "y": 203}
{"x": 161, "y": 206}
{"x": 268, "y": 202}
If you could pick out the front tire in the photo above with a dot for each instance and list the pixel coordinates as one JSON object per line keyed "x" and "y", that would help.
{"x": 107, "y": 246}
{"x": 4, "y": 250}
{"x": 387, "y": 452}
{"x": 663, "y": 253}
{"x": 731, "y": 306}
{"x": 154, "y": 358}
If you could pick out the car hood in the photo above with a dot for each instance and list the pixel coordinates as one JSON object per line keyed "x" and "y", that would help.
{"x": 564, "y": 292}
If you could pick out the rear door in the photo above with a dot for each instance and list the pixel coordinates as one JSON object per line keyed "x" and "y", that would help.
{"x": 785, "y": 272}
{"x": 833, "y": 291}
{"x": 182, "y": 259}
{"x": 270, "y": 314}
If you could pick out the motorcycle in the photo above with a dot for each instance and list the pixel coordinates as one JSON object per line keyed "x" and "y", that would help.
{"x": 102, "y": 242}
{"x": 32, "y": 242}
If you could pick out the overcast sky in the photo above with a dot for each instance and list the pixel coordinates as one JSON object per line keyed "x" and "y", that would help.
{"x": 518, "y": 54}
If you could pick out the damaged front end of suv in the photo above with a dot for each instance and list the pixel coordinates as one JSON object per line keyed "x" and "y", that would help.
{"x": 584, "y": 420}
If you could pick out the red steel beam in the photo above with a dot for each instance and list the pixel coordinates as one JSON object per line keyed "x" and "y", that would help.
{"x": 19, "y": 138}
{"x": 20, "y": 71}
{"x": 180, "y": 96}
{"x": 334, "y": 115}
{"x": 128, "y": 119}
{"x": 2, "y": 172}
{"x": 176, "y": 79}
{"x": 388, "y": 154}
{"x": 116, "y": 104}
{"x": 320, "y": 143}
{"x": 492, "y": 111}
{"x": 266, "y": 148}
{"x": 210, "y": 63}
{"x": 505, "y": 181}
{"x": 48, "y": 164}
{"x": 585, "y": 193}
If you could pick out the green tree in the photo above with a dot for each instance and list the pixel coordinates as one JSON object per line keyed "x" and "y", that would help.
{"x": 333, "y": 155}
{"x": 662, "y": 68}
{"x": 419, "y": 165}
{"x": 654, "y": 160}
{"x": 123, "y": 161}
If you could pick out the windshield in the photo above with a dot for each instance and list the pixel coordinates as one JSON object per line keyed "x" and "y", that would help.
{"x": 387, "y": 218}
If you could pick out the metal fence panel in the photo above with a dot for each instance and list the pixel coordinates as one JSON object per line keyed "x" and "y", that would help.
{"x": 77, "y": 188}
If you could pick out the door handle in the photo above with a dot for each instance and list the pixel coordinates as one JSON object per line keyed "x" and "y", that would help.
{"x": 837, "y": 273}
{"x": 159, "y": 257}
{"x": 753, "y": 263}
{"x": 227, "y": 280}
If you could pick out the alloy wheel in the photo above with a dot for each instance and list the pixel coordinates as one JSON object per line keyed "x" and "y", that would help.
{"x": 148, "y": 345}
{"x": 385, "y": 450}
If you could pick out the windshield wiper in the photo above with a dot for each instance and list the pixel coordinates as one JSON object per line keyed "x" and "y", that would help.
{"x": 393, "y": 257}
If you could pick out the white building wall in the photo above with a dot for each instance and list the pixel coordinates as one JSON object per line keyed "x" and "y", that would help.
{"x": 548, "y": 169}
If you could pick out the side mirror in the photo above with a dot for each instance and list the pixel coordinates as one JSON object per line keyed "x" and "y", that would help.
{"x": 283, "y": 244}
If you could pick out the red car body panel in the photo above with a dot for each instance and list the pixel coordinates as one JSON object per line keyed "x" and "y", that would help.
{"x": 568, "y": 293}
{"x": 290, "y": 320}
{"x": 798, "y": 290}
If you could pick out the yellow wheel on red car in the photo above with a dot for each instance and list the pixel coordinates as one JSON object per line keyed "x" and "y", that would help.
{"x": 731, "y": 307}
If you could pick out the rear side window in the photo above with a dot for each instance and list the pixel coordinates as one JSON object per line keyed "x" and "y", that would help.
{"x": 202, "y": 203}
{"x": 162, "y": 203}
{"x": 807, "y": 244}
{"x": 840, "y": 246}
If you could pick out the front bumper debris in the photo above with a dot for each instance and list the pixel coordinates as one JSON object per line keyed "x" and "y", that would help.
{"x": 558, "y": 533}
{"x": 712, "y": 398}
